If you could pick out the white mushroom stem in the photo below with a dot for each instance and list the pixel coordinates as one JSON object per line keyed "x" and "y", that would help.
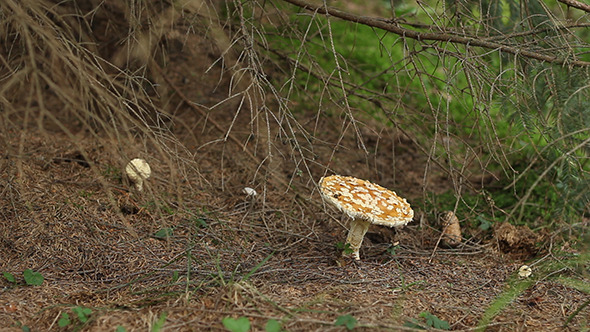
{"x": 356, "y": 234}
{"x": 138, "y": 183}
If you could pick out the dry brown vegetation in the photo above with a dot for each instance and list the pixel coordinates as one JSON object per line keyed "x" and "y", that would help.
{"x": 87, "y": 86}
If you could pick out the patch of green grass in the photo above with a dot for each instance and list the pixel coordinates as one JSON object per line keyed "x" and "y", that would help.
{"x": 581, "y": 285}
{"x": 514, "y": 289}
{"x": 375, "y": 62}
{"x": 543, "y": 207}
{"x": 546, "y": 270}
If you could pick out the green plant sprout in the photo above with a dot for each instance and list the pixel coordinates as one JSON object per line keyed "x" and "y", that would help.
{"x": 273, "y": 325}
{"x": 9, "y": 276}
{"x": 430, "y": 320}
{"x": 64, "y": 320}
{"x": 33, "y": 278}
{"x": 164, "y": 233}
{"x": 241, "y": 324}
{"x": 82, "y": 314}
{"x": 391, "y": 249}
{"x": 347, "y": 321}
{"x": 344, "y": 247}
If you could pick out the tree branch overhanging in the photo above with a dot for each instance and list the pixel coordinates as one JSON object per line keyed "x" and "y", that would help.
{"x": 576, "y": 4}
{"x": 393, "y": 27}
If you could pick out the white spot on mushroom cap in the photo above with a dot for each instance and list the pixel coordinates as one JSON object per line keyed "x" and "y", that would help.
{"x": 366, "y": 200}
{"x": 138, "y": 170}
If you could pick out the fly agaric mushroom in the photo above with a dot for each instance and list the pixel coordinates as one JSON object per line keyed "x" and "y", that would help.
{"x": 137, "y": 171}
{"x": 366, "y": 203}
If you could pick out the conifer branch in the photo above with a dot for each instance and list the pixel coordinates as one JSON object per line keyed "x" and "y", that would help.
{"x": 576, "y": 4}
{"x": 394, "y": 27}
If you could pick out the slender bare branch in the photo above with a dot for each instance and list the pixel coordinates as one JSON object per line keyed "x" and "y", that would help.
{"x": 576, "y": 4}
{"x": 394, "y": 27}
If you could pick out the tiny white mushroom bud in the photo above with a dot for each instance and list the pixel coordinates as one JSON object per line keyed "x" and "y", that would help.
{"x": 249, "y": 191}
{"x": 138, "y": 170}
{"x": 525, "y": 271}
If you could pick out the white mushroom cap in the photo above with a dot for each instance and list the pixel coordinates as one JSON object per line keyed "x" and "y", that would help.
{"x": 249, "y": 191}
{"x": 138, "y": 170}
{"x": 525, "y": 271}
{"x": 362, "y": 199}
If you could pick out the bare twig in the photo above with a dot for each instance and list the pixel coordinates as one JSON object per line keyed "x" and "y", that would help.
{"x": 576, "y": 4}
{"x": 394, "y": 27}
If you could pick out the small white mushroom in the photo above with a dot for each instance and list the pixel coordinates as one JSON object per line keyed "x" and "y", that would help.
{"x": 366, "y": 203}
{"x": 137, "y": 171}
{"x": 525, "y": 271}
{"x": 249, "y": 191}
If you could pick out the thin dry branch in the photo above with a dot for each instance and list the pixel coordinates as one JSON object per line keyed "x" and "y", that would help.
{"x": 576, "y": 4}
{"x": 394, "y": 27}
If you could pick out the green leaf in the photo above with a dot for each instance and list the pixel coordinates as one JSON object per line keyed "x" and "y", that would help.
{"x": 346, "y": 320}
{"x": 9, "y": 276}
{"x": 273, "y": 325}
{"x": 64, "y": 320}
{"x": 484, "y": 224}
{"x": 82, "y": 313}
{"x": 241, "y": 324}
{"x": 33, "y": 278}
{"x": 391, "y": 250}
{"x": 433, "y": 321}
{"x": 345, "y": 247}
{"x": 120, "y": 329}
{"x": 164, "y": 233}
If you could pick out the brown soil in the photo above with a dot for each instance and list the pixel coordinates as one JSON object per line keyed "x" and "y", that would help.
{"x": 72, "y": 218}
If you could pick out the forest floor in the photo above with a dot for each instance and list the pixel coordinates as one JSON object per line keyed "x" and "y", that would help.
{"x": 229, "y": 255}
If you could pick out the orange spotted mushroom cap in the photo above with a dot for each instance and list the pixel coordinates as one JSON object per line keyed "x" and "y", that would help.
{"x": 365, "y": 200}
